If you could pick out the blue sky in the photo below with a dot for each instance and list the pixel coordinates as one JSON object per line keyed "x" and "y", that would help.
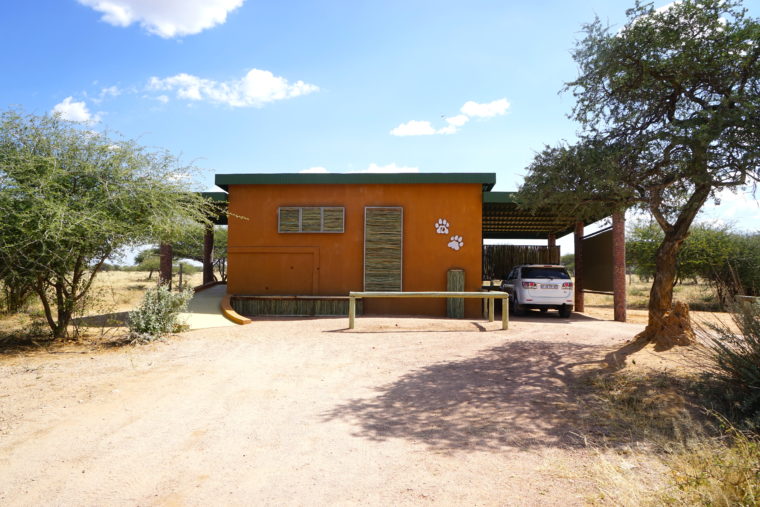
{"x": 262, "y": 86}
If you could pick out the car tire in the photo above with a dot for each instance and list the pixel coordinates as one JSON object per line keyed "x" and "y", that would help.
{"x": 565, "y": 311}
{"x": 518, "y": 310}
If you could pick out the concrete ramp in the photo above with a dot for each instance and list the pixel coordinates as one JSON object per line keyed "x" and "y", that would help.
{"x": 204, "y": 310}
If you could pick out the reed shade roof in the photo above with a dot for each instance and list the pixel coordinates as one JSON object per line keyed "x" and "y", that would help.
{"x": 383, "y": 229}
{"x": 503, "y": 219}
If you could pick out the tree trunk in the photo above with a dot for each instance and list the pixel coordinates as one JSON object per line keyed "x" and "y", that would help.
{"x": 669, "y": 323}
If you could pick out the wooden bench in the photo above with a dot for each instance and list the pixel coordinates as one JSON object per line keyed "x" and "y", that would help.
{"x": 491, "y": 296}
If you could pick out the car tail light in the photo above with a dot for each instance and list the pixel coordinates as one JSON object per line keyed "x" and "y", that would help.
{"x": 567, "y": 285}
{"x": 529, "y": 285}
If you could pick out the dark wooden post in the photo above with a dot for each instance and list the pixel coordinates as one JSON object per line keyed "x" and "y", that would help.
{"x": 165, "y": 269}
{"x": 579, "y": 306}
{"x": 551, "y": 241}
{"x": 208, "y": 255}
{"x": 618, "y": 265}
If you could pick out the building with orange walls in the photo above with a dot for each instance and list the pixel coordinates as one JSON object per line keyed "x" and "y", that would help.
{"x": 329, "y": 234}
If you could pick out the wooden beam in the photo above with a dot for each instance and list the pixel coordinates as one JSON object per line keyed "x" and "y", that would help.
{"x": 491, "y": 296}
{"x": 579, "y": 302}
{"x": 351, "y": 312}
{"x": 618, "y": 265}
{"x": 505, "y": 312}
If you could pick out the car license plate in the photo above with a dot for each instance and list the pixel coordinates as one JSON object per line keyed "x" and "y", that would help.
{"x": 549, "y": 286}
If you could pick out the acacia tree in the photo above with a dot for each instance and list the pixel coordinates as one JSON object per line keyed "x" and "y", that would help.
{"x": 670, "y": 113}
{"x": 71, "y": 198}
{"x": 190, "y": 246}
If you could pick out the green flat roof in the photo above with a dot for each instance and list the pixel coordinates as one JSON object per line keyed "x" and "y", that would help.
{"x": 488, "y": 180}
{"x": 220, "y": 200}
{"x": 499, "y": 197}
{"x": 215, "y": 196}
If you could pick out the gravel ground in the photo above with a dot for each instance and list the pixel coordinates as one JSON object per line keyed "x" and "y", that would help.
{"x": 304, "y": 412}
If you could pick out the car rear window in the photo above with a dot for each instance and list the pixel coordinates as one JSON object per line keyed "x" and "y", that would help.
{"x": 545, "y": 273}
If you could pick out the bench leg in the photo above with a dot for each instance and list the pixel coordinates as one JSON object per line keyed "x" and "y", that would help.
{"x": 505, "y": 313}
{"x": 491, "y": 309}
{"x": 351, "y": 312}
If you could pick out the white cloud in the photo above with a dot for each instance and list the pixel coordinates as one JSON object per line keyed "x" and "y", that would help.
{"x": 315, "y": 170}
{"x": 256, "y": 88}
{"x": 109, "y": 91}
{"x": 487, "y": 110}
{"x": 458, "y": 120}
{"x": 165, "y": 18}
{"x": 389, "y": 168}
{"x": 414, "y": 128}
{"x": 737, "y": 206}
{"x": 75, "y": 111}
{"x": 470, "y": 109}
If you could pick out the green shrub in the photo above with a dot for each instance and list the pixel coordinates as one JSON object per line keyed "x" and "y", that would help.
{"x": 158, "y": 314}
{"x": 735, "y": 355}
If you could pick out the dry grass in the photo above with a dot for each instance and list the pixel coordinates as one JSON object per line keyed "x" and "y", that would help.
{"x": 656, "y": 445}
{"x": 717, "y": 471}
{"x": 123, "y": 290}
{"x": 701, "y": 299}
{"x": 112, "y": 295}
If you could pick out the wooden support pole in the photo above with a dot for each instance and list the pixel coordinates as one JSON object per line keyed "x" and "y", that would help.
{"x": 618, "y": 265}
{"x": 165, "y": 264}
{"x": 551, "y": 242}
{"x": 208, "y": 255}
{"x": 579, "y": 306}
{"x": 505, "y": 312}
{"x": 491, "y": 309}
{"x": 351, "y": 312}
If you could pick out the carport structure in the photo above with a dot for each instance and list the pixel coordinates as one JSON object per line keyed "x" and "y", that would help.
{"x": 599, "y": 258}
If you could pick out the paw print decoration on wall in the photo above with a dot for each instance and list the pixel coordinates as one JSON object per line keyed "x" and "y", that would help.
{"x": 442, "y": 226}
{"x": 456, "y": 242}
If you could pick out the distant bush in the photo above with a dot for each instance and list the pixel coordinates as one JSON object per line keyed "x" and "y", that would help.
{"x": 735, "y": 354}
{"x": 158, "y": 314}
{"x": 568, "y": 260}
{"x": 729, "y": 261}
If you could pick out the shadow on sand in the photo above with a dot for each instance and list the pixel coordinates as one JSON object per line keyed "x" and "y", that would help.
{"x": 522, "y": 394}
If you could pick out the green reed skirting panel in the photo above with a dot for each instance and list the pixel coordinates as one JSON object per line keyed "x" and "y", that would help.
{"x": 251, "y": 306}
{"x": 383, "y": 230}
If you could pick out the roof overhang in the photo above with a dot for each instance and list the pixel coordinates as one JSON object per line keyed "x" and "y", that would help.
{"x": 487, "y": 180}
{"x": 503, "y": 219}
{"x": 220, "y": 199}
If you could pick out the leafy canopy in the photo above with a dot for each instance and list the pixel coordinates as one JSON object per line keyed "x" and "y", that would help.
{"x": 71, "y": 198}
{"x": 670, "y": 111}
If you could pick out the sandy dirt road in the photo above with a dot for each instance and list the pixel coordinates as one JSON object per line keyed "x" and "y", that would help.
{"x": 303, "y": 412}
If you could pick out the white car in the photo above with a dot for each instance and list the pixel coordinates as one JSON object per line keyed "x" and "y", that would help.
{"x": 539, "y": 286}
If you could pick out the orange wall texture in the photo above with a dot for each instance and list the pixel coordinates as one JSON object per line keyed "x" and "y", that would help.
{"x": 263, "y": 261}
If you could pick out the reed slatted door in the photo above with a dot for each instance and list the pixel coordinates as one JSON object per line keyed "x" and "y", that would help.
{"x": 383, "y": 248}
